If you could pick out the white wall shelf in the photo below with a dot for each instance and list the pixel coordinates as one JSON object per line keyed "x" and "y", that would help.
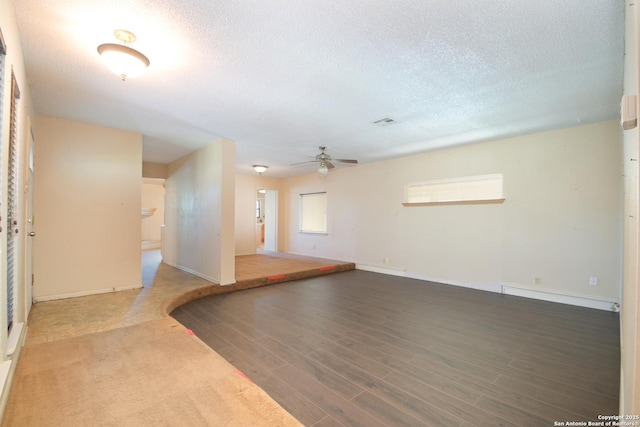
{"x": 457, "y": 202}
{"x": 462, "y": 190}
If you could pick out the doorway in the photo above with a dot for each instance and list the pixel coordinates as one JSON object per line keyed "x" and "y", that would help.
{"x": 152, "y": 212}
{"x": 267, "y": 220}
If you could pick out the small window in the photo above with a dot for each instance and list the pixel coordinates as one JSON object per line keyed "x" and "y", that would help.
{"x": 470, "y": 189}
{"x": 313, "y": 213}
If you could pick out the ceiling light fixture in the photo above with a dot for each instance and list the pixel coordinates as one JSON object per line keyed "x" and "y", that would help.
{"x": 123, "y": 59}
{"x": 323, "y": 170}
{"x": 260, "y": 168}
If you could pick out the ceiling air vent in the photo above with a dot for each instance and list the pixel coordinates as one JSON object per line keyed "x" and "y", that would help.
{"x": 384, "y": 122}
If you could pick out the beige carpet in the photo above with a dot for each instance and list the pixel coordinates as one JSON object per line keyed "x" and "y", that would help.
{"x": 82, "y": 381}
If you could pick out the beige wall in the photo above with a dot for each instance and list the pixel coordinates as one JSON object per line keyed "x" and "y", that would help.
{"x": 199, "y": 213}
{"x": 560, "y": 221}
{"x": 87, "y": 208}
{"x": 14, "y": 62}
{"x": 152, "y": 197}
{"x": 246, "y": 189}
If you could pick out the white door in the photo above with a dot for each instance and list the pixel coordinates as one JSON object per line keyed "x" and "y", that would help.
{"x": 271, "y": 221}
{"x": 30, "y": 233}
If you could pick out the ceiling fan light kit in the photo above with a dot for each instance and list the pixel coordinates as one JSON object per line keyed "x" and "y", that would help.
{"x": 325, "y": 161}
{"x": 323, "y": 170}
{"x": 122, "y": 59}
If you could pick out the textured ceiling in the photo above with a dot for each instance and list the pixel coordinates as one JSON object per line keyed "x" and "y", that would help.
{"x": 282, "y": 77}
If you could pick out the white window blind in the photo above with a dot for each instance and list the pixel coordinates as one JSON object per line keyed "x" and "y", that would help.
{"x": 12, "y": 199}
{"x": 313, "y": 213}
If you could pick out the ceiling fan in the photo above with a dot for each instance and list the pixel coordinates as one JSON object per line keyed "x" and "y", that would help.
{"x": 326, "y": 162}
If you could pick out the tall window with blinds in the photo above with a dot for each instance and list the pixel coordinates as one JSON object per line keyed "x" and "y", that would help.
{"x": 12, "y": 198}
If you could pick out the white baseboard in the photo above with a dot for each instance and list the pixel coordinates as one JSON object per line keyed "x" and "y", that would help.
{"x": 381, "y": 270}
{"x": 311, "y": 256}
{"x": 495, "y": 287}
{"x": 85, "y": 293}
{"x": 247, "y": 253}
{"x": 8, "y": 367}
{"x": 195, "y": 273}
{"x": 600, "y": 303}
{"x": 6, "y": 376}
{"x": 15, "y": 337}
{"x": 150, "y": 244}
{"x": 489, "y": 287}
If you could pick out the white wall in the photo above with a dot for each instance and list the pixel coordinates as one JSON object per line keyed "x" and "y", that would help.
{"x": 87, "y": 209}
{"x": 152, "y": 197}
{"x": 560, "y": 221}
{"x": 629, "y": 383}
{"x": 199, "y": 213}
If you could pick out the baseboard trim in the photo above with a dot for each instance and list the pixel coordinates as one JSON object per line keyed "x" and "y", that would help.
{"x": 488, "y": 287}
{"x": 494, "y": 287}
{"x": 600, "y": 303}
{"x": 14, "y": 338}
{"x": 8, "y": 368}
{"x": 85, "y": 293}
{"x": 150, "y": 244}
{"x": 381, "y": 270}
{"x": 195, "y": 273}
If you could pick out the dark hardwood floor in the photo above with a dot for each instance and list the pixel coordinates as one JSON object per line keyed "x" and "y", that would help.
{"x": 365, "y": 349}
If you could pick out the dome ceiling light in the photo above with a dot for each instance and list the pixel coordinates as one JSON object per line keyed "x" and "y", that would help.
{"x": 123, "y": 59}
{"x": 260, "y": 168}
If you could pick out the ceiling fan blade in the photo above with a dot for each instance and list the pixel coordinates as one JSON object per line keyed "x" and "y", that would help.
{"x": 324, "y": 158}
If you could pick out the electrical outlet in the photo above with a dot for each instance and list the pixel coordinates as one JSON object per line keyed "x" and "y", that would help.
{"x": 386, "y": 260}
{"x": 537, "y": 280}
{"x": 593, "y": 281}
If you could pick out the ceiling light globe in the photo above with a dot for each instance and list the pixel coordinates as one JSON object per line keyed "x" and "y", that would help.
{"x": 323, "y": 170}
{"x": 123, "y": 60}
{"x": 260, "y": 168}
